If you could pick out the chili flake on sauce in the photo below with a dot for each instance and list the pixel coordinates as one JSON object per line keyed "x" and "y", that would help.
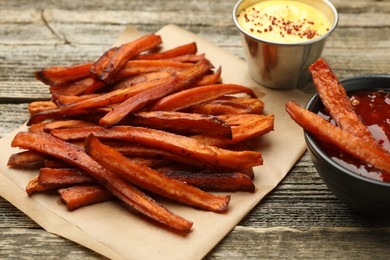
{"x": 284, "y": 21}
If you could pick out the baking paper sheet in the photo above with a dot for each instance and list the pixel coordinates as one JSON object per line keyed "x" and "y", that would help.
{"x": 115, "y": 232}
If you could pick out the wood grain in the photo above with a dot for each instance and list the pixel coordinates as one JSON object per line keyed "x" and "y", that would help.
{"x": 301, "y": 218}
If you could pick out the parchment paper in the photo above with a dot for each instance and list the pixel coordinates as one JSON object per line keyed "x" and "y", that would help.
{"x": 117, "y": 233}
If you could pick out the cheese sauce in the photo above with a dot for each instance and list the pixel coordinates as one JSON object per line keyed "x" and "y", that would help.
{"x": 283, "y": 21}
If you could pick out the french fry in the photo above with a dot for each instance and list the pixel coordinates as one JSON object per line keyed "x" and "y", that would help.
{"x": 180, "y": 145}
{"x": 63, "y": 177}
{"x": 214, "y": 181}
{"x": 193, "y": 96}
{"x": 104, "y": 69}
{"x": 140, "y": 100}
{"x": 57, "y": 75}
{"x": 121, "y": 189}
{"x": 345, "y": 141}
{"x": 179, "y": 122}
{"x": 190, "y": 48}
{"x": 336, "y": 100}
{"x": 151, "y": 180}
{"x": 83, "y": 195}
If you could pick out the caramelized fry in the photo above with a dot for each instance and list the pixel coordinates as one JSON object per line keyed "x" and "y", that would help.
{"x": 151, "y": 180}
{"x": 182, "y": 122}
{"x": 63, "y": 177}
{"x": 181, "y": 145}
{"x": 220, "y": 107}
{"x": 244, "y": 127}
{"x": 60, "y": 124}
{"x": 56, "y": 76}
{"x": 84, "y": 195}
{"x": 189, "y": 48}
{"x": 336, "y": 100}
{"x": 105, "y": 68}
{"x": 26, "y": 159}
{"x": 345, "y": 141}
{"x": 36, "y": 107}
{"x": 140, "y": 100}
{"x": 193, "y": 96}
{"x": 74, "y": 155}
{"x": 76, "y": 88}
{"x": 34, "y": 186}
{"x": 214, "y": 181}
{"x": 210, "y": 79}
{"x": 109, "y": 98}
{"x": 137, "y": 67}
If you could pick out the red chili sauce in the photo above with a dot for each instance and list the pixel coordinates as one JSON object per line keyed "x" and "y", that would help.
{"x": 374, "y": 109}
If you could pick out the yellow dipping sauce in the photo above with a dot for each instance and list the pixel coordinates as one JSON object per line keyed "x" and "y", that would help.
{"x": 283, "y": 21}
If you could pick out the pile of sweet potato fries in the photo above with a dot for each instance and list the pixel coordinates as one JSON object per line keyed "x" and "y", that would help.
{"x": 350, "y": 135}
{"x": 141, "y": 121}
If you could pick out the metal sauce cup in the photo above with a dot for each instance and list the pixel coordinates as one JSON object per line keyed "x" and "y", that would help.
{"x": 283, "y": 65}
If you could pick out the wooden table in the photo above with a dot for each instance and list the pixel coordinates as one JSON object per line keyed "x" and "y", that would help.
{"x": 299, "y": 219}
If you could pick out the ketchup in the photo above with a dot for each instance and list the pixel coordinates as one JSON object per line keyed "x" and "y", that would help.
{"x": 373, "y": 106}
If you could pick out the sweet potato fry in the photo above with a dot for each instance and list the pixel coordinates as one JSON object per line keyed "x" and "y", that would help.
{"x": 131, "y": 81}
{"x": 181, "y": 145}
{"x": 63, "y": 177}
{"x": 63, "y": 100}
{"x": 26, "y": 159}
{"x": 252, "y": 125}
{"x": 34, "y": 186}
{"x": 83, "y": 86}
{"x": 191, "y": 58}
{"x": 56, "y": 76}
{"x": 179, "y": 122}
{"x": 121, "y": 189}
{"x": 214, "y": 181}
{"x": 83, "y": 195}
{"x": 193, "y": 96}
{"x": 133, "y": 150}
{"x": 151, "y": 180}
{"x": 244, "y": 127}
{"x": 336, "y": 100}
{"x": 140, "y": 100}
{"x": 36, "y": 107}
{"x": 137, "y": 67}
{"x": 109, "y": 98}
{"x": 58, "y": 113}
{"x": 60, "y": 124}
{"x": 345, "y": 141}
{"x": 104, "y": 69}
{"x": 220, "y": 107}
{"x": 210, "y": 79}
{"x": 190, "y": 48}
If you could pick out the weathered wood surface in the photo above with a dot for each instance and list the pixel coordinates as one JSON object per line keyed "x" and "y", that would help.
{"x": 299, "y": 219}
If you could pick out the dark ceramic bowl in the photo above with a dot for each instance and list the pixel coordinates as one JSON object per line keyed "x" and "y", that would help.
{"x": 362, "y": 194}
